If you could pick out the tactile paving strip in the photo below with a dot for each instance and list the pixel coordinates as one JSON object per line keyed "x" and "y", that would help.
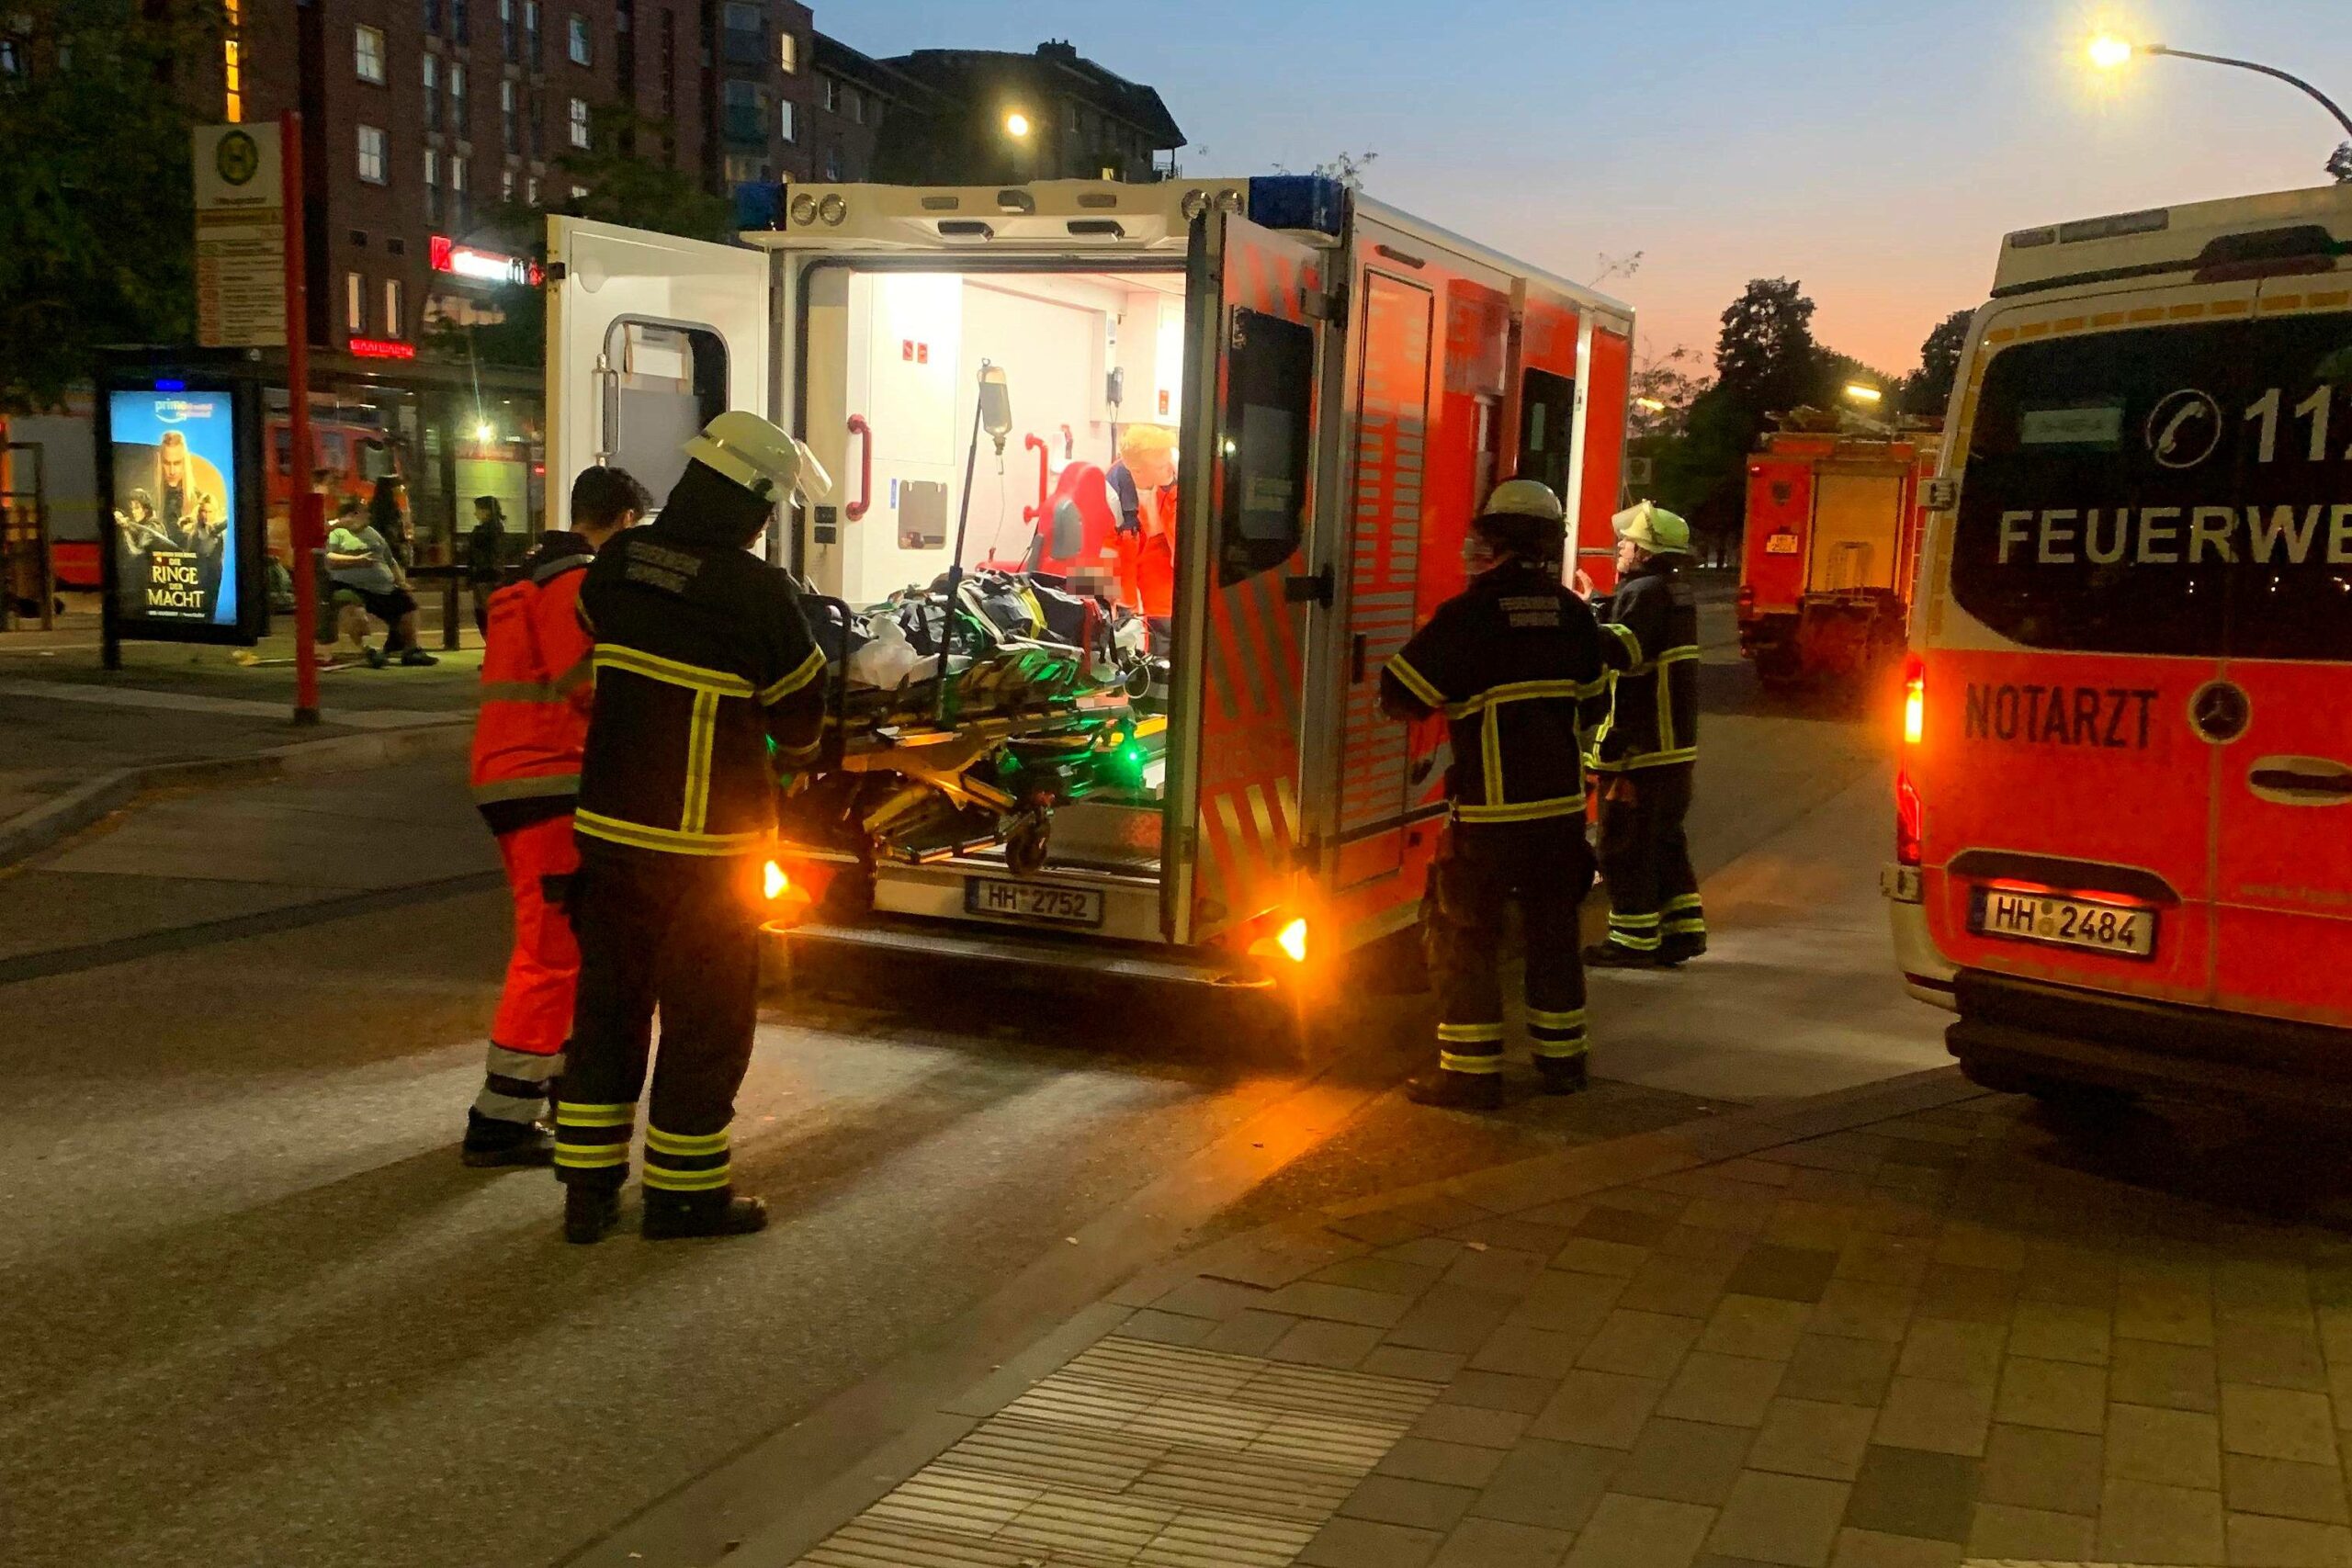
{"x": 1141, "y": 1455}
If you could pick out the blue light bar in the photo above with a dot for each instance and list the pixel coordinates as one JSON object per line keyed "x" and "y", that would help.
{"x": 759, "y": 204}
{"x": 1314, "y": 202}
{"x": 171, "y": 386}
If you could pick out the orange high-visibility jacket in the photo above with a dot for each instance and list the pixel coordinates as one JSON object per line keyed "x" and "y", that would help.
{"x": 538, "y": 684}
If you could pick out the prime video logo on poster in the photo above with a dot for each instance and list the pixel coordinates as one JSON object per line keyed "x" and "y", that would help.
{"x": 174, "y": 482}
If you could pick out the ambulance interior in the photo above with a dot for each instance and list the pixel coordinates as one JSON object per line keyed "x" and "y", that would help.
{"x": 893, "y": 383}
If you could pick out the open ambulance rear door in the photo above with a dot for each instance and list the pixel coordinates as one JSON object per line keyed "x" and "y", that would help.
{"x": 650, "y": 337}
{"x": 1256, "y": 304}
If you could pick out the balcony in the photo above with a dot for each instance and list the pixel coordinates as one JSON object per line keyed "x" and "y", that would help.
{"x": 745, "y": 124}
{"x": 742, "y": 46}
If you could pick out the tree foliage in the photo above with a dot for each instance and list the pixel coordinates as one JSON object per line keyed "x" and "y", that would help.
{"x": 96, "y": 202}
{"x": 623, "y": 177}
{"x": 1927, "y": 389}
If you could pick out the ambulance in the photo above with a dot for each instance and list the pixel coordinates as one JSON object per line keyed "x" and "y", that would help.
{"x": 1345, "y": 384}
{"x": 2124, "y": 839}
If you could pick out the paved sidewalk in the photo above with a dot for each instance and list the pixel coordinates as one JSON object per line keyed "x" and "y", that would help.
{"x": 1904, "y": 1326}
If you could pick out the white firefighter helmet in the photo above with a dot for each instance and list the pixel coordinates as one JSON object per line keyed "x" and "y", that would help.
{"x": 1526, "y": 498}
{"x": 760, "y": 457}
{"x": 1652, "y": 528}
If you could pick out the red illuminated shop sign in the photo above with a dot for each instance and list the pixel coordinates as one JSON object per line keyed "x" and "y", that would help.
{"x": 382, "y": 348}
{"x": 483, "y": 266}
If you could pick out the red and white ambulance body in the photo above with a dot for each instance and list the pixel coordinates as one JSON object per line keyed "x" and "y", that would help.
{"x": 1832, "y": 539}
{"x": 2126, "y": 802}
{"x": 1345, "y": 384}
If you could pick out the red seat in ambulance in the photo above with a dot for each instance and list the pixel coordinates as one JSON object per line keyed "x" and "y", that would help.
{"x": 2125, "y": 805}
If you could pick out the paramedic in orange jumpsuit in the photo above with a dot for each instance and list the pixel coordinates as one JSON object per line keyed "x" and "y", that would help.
{"x": 536, "y": 691}
{"x": 1142, "y": 481}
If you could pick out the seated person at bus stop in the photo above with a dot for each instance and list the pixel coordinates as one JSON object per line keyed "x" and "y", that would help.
{"x": 360, "y": 558}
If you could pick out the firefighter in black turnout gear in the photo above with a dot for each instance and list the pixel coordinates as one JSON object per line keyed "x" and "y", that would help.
{"x": 703, "y": 661}
{"x": 1508, "y": 662}
{"x": 1647, "y": 750}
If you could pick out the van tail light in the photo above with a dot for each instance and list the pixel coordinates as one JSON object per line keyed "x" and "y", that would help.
{"x": 1910, "y": 824}
{"x": 1744, "y": 606}
{"x": 1915, "y": 700}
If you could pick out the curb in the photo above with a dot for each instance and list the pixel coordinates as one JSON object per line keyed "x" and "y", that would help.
{"x": 29, "y": 832}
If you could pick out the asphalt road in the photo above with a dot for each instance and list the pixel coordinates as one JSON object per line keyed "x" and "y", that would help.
{"x": 258, "y": 1314}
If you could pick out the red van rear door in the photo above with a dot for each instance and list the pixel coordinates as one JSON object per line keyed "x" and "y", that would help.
{"x": 2067, "y": 799}
{"x": 2283, "y": 785}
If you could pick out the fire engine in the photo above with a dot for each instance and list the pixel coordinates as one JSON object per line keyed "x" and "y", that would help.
{"x": 1345, "y": 383}
{"x": 1831, "y": 542}
{"x": 2121, "y": 854}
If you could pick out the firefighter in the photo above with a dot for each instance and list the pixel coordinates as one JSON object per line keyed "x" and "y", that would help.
{"x": 1508, "y": 662}
{"x": 1648, "y": 748}
{"x": 704, "y": 665}
{"x": 525, "y": 773}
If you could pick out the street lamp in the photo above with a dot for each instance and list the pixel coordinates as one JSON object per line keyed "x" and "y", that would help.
{"x": 1863, "y": 392}
{"x": 1016, "y": 124}
{"x": 2109, "y": 52}
{"x": 1649, "y": 405}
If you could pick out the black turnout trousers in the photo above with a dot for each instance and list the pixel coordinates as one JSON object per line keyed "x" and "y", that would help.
{"x": 674, "y": 933}
{"x": 1546, "y": 868}
{"x": 1645, "y": 858}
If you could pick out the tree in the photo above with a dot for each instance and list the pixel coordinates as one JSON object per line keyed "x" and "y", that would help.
{"x": 1672, "y": 382}
{"x": 1766, "y": 359}
{"x": 95, "y": 194}
{"x": 1348, "y": 168}
{"x": 619, "y": 177}
{"x": 1927, "y": 389}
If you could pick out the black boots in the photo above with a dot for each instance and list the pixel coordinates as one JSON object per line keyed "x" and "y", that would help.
{"x": 589, "y": 1213}
{"x": 673, "y": 1216}
{"x": 1612, "y": 956}
{"x": 492, "y": 1144}
{"x": 1677, "y": 949}
{"x": 1563, "y": 1075}
{"x": 1457, "y": 1091}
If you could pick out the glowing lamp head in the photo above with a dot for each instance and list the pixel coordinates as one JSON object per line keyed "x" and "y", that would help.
{"x": 1863, "y": 392}
{"x": 772, "y": 881}
{"x": 1292, "y": 940}
{"x": 485, "y": 431}
{"x": 2109, "y": 53}
{"x": 1649, "y": 405}
{"x": 1016, "y": 124}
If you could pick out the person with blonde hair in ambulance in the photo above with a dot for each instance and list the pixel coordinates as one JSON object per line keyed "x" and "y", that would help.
{"x": 1508, "y": 662}
{"x": 1143, "y": 487}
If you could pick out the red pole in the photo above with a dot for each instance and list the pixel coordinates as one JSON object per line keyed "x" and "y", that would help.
{"x": 305, "y": 525}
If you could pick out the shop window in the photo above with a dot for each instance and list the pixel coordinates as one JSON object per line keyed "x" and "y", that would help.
{"x": 1263, "y": 441}
{"x": 580, "y": 48}
{"x": 1547, "y": 412}
{"x": 368, "y": 54}
{"x": 668, "y": 382}
{"x": 394, "y": 318}
{"x": 372, "y": 156}
{"x": 579, "y": 123}
{"x": 355, "y": 304}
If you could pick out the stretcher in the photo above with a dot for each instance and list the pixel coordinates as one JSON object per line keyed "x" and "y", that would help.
{"x": 974, "y": 758}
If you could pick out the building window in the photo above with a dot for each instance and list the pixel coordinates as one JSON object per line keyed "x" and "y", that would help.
{"x": 787, "y": 52}
{"x": 506, "y": 185}
{"x": 431, "y": 185}
{"x": 579, "y": 123}
{"x": 459, "y": 117}
{"x": 828, "y": 93}
{"x": 372, "y": 154}
{"x": 355, "y": 304}
{"x": 432, "y": 91}
{"x": 392, "y": 307}
{"x": 531, "y": 31}
{"x": 368, "y": 54}
{"x": 833, "y": 163}
{"x": 853, "y": 105}
{"x": 784, "y": 124}
{"x": 232, "y": 61}
{"x": 431, "y": 15}
{"x": 582, "y": 53}
{"x": 459, "y": 208}
{"x": 531, "y": 190}
{"x": 744, "y": 168}
{"x": 509, "y": 133}
{"x": 510, "y": 36}
{"x": 458, "y": 19}
{"x": 746, "y": 119}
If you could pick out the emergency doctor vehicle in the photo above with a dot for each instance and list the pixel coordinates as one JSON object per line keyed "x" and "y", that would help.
{"x": 1344, "y": 384}
{"x": 2125, "y": 805}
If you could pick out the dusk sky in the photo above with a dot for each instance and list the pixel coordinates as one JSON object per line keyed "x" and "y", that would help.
{"x": 1874, "y": 150}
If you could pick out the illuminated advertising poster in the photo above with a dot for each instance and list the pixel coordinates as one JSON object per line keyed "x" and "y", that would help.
{"x": 174, "y": 482}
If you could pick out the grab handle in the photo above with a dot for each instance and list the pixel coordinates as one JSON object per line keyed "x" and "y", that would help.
{"x": 2301, "y": 781}
{"x": 864, "y": 501}
{"x": 1034, "y": 442}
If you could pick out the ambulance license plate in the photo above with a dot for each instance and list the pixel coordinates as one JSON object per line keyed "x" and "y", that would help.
{"x": 2063, "y": 923}
{"x": 1040, "y": 901}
